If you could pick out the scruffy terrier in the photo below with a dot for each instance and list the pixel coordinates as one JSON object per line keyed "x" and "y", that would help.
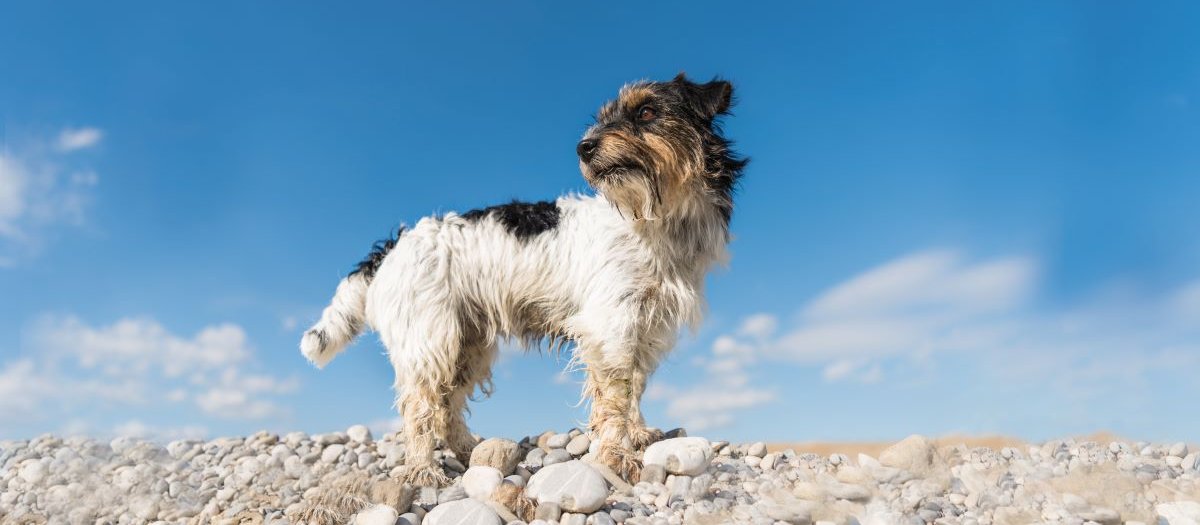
{"x": 615, "y": 276}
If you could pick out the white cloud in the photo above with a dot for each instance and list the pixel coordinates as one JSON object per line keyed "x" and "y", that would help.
{"x": 289, "y": 323}
{"x": 379, "y": 427}
{"x": 1185, "y": 304}
{"x": 936, "y": 279}
{"x": 42, "y": 187}
{"x": 914, "y": 305}
{"x": 759, "y": 326}
{"x": 244, "y": 396}
{"x": 938, "y": 303}
{"x": 856, "y": 370}
{"x": 13, "y": 183}
{"x": 71, "y": 139}
{"x": 137, "y": 345}
{"x": 139, "y": 429}
{"x": 726, "y": 387}
{"x": 22, "y": 389}
{"x": 711, "y": 404}
{"x": 74, "y": 369}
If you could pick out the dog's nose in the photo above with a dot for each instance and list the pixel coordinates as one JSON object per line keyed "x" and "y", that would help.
{"x": 586, "y": 149}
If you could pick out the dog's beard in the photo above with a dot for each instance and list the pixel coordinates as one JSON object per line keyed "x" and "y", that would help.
{"x": 631, "y": 190}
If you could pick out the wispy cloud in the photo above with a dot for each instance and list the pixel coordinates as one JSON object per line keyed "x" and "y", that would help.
{"x": 71, "y": 139}
{"x": 71, "y": 369}
{"x": 726, "y": 387}
{"x": 917, "y": 304}
{"x": 940, "y": 303}
{"x": 137, "y": 428}
{"x": 42, "y": 185}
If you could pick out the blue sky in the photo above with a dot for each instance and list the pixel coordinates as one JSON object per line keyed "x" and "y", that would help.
{"x": 958, "y": 217}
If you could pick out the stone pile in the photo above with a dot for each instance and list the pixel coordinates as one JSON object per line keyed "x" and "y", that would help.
{"x": 350, "y": 477}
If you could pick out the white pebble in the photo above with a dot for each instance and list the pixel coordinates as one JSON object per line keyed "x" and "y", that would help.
{"x": 462, "y": 512}
{"x": 359, "y": 434}
{"x": 573, "y": 485}
{"x": 686, "y": 455}
{"x": 480, "y": 481}
{"x": 376, "y": 515}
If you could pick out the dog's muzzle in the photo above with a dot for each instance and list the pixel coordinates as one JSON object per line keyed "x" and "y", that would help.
{"x": 586, "y": 149}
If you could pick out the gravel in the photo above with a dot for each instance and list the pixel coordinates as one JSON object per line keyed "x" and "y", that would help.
{"x": 350, "y": 476}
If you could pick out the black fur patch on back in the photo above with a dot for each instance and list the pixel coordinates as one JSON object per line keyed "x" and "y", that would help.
{"x": 370, "y": 264}
{"x": 522, "y": 219}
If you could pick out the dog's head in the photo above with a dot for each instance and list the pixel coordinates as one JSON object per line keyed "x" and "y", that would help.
{"x": 657, "y": 150}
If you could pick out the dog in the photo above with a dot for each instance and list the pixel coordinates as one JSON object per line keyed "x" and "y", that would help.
{"x": 615, "y": 277}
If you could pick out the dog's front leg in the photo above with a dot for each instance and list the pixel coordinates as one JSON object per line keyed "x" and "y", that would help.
{"x": 640, "y": 435}
{"x": 611, "y": 392}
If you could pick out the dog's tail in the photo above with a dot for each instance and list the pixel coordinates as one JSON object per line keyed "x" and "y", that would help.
{"x": 345, "y": 316}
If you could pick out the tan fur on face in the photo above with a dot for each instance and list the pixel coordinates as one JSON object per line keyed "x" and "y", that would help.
{"x": 668, "y": 157}
{"x": 633, "y": 97}
{"x": 670, "y": 177}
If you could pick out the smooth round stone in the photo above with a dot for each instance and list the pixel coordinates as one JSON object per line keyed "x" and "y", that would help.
{"x": 332, "y": 438}
{"x": 332, "y": 453}
{"x": 558, "y": 440}
{"x": 359, "y": 434}
{"x": 178, "y": 448}
{"x": 293, "y": 439}
{"x": 847, "y": 491}
{"x": 601, "y": 518}
{"x": 498, "y": 453}
{"x": 515, "y": 479}
{"x": 579, "y": 445}
{"x": 480, "y": 481}
{"x": 366, "y": 459}
{"x": 462, "y": 512}
{"x": 914, "y": 454}
{"x": 144, "y": 507}
{"x": 572, "y": 519}
{"x": 451, "y": 493}
{"x": 33, "y": 472}
{"x": 1182, "y": 512}
{"x": 122, "y": 444}
{"x": 376, "y": 515}
{"x": 758, "y": 450}
{"x": 688, "y": 456}
{"x": 573, "y": 485}
{"x": 556, "y": 456}
{"x": 535, "y": 457}
{"x": 1191, "y": 462}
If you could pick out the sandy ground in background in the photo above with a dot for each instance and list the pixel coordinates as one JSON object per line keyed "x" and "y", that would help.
{"x": 853, "y": 449}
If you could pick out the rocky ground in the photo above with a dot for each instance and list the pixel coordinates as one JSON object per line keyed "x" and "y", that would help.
{"x": 348, "y": 477}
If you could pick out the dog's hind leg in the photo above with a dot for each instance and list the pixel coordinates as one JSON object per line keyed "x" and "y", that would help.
{"x": 474, "y": 371}
{"x": 420, "y": 404}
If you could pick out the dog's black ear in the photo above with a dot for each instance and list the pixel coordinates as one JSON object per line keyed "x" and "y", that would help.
{"x": 711, "y": 99}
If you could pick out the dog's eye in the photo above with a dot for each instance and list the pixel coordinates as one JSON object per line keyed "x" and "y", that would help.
{"x": 646, "y": 114}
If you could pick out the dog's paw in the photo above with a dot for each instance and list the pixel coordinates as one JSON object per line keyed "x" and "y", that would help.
{"x": 622, "y": 461}
{"x": 642, "y": 437}
{"x": 462, "y": 449}
{"x": 425, "y": 476}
